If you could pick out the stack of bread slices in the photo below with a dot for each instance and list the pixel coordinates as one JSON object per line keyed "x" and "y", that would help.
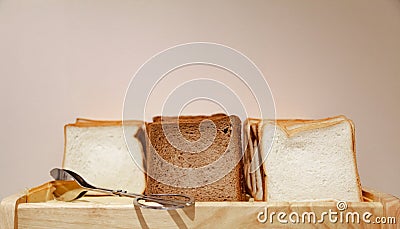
{"x": 302, "y": 160}
{"x": 284, "y": 160}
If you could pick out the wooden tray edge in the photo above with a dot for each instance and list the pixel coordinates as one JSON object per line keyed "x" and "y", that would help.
{"x": 9, "y": 205}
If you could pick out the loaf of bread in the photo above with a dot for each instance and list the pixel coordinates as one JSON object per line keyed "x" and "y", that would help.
{"x": 223, "y": 134}
{"x": 306, "y": 160}
{"x": 97, "y": 150}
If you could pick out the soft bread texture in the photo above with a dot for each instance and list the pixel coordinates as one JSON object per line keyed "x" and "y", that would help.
{"x": 97, "y": 150}
{"x": 310, "y": 160}
{"x": 228, "y": 128}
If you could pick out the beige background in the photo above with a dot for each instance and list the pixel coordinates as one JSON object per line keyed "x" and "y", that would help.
{"x": 66, "y": 59}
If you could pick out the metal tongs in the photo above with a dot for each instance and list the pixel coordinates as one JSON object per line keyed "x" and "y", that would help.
{"x": 163, "y": 201}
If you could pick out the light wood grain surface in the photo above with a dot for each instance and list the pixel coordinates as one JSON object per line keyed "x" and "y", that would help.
{"x": 39, "y": 209}
{"x": 8, "y": 210}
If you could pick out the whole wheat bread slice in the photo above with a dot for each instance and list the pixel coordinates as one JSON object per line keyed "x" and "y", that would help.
{"x": 227, "y": 137}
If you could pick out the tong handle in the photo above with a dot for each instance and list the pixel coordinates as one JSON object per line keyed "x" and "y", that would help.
{"x": 164, "y": 204}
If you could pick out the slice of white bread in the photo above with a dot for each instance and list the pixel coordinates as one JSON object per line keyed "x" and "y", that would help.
{"x": 308, "y": 160}
{"x": 97, "y": 150}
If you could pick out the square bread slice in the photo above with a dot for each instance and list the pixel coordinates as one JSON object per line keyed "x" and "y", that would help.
{"x": 305, "y": 160}
{"x": 97, "y": 151}
{"x": 229, "y": 187}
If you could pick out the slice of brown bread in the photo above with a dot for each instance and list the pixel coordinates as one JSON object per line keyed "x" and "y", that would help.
{"x": 227, "y": 139}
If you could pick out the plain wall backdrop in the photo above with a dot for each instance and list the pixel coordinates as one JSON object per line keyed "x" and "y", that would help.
{"x": 65, "y": 59}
